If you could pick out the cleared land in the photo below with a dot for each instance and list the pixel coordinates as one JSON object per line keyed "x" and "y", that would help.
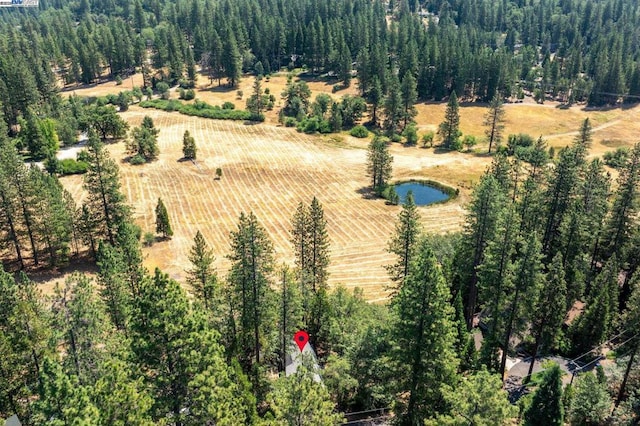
{"x": 269, "y": 169}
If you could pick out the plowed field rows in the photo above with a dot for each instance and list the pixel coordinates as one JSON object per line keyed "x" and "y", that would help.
{"x": 269, "y": 170}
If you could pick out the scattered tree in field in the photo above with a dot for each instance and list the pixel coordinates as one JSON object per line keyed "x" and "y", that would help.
{"x": 449, "y": 129}
{"x": 379, "y": 165}
{"x": 188, "y": 146}
{"x": 256, "y": 102}
{"x": 163, "y": 227}
{"x": 494, "y": 120}
{"x": 218, "y": 173}
{"x": 296, "y": 98}
{"x": 106, "y": 122}
{"x": 144, "y": 141}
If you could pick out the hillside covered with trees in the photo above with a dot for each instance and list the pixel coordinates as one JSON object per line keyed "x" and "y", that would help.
{"x": 546, "y": 264}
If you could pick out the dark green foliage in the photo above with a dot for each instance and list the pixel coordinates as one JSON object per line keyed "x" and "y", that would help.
{"x": 404, "y": 241}
{"x": 163, "y": 227}
{"x": 69, "y": 166}
{"x": 379, "y": 164}
{"x": 616, "y": 159}
{"x": 546, "y": 406}
{"x": 189, "y": 149}
{"x": 144, "y": 140}
{"x": 201, "y": 109}
{"x": 494, "y": 120}
{"x": 359, "y": 132}
{"x": 424, "y": 335}
{"x": 449, "y": 129}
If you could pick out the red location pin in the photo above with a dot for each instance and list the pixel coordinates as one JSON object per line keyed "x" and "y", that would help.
{"x": 301, "y": 338}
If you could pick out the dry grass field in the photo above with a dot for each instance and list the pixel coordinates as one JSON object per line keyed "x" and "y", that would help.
{"x": 269, "y": 169}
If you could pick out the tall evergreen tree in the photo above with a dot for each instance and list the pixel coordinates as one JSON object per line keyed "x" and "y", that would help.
{"x": 549, "y": 310}
{"x": 546, "y": 406}
{"x": 250, "y": 277}
{"x": 424, "y": 335}
{"x": 449, "y": 129}
{"x": 163, "y": 226}
{"x": 189, "y": 149}
{"x": 393, "y": 107}
{"x": 105, "y": 202}
{"x": 144, "y": 140}
{"x": 494, "y": 120}
{"x": 202, "y": 276}
{"x": 404, "y": 240}
{"x": 379, "y": 165}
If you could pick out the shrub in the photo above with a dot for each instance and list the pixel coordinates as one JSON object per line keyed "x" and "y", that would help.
{"x": 70, "y": 166}
{"x": 520, "y": 140}
{"x": 616, "y": 159}
{"x": 359, "y": 131}
{"x": 395, "y": 138}
{"x": 290, "y": 122}
{"x": 149, "y": 239}
{"x": 186, "y": 83}
{"x": 118, "y": 80}
{"x": 427, "y": 139}
{"x": 200, "y": 109}
{"x": 324, "y": 126}
{"x": 187, "y": 95}
{"x": 411, "y": 135}
{"x": 163, "y": 88}
{"x": 469, "y": 141}
{"x": 228, "y": 105}
{"x": 137, "y": 159}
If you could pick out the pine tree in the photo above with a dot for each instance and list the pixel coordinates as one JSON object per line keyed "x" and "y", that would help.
{"x": 290, "y": 312}
{"x": 202, "y": 276}
{"x": 232, "y": 60}
{"x": 546, "y": 407}
{"x": 424, "y": 334}
{"x": 595, "y": 324}
{"x": 494, "y": 120}
{"x": 379, "y": 165}
{"x": 404, "y": 241}
{"x": 80, "y": 318}
{"x": 299, "y": 400}
{"x": 250, "y": 276}
{"x": 393, "y": 107}
{"x": 527, "y": 280}
{"x": 631, "y": 321}
{"x": 375, "y": 96}
{"x": 591, "y": 402}
{"x": 188, "y": 146}
{"x": 409, "y": 97}
{"x": 163, "y": 226}
{"x": 625, "y": 206}
{"x": 478, "y": 400}
{"x": 115, "y": 293}
{"x": 449, "y": 129}
{"x": 549, "y": 310}
{"x": 487, "y": 202}
{"x": 255, "y": 103}
{"x": 62, "y": 398}
{"x": 144, "y": 140}
{"x": 105, "y": 203}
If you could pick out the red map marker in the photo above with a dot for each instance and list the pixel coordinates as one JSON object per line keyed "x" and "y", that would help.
{"x": 301, "y": 338}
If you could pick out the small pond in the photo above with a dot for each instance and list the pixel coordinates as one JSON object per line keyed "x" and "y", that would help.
{"x": 423, "y": 193}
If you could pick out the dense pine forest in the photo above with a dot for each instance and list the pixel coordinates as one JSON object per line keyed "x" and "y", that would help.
{"x": 545, "y": 265}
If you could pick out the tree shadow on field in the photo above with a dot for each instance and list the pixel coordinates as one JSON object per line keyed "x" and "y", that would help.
{"x": 367, "y": 193}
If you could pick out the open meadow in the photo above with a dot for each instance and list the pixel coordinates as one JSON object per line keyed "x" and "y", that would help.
{"x": 269, "y": 169}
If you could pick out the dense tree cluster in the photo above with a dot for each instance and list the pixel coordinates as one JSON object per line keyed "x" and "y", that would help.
{"x": 130, "y": 347}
